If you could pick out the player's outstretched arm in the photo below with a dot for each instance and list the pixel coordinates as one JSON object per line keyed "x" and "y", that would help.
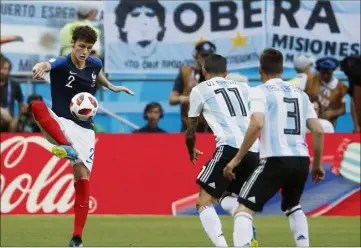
{"x": 315, "y": 127}
{"x": 102, "y": 80}
{"x": 40, "y": 69}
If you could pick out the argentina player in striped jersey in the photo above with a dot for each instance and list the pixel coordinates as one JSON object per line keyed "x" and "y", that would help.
{"x": 224, "y": 105}
{"x": 280, "y": 113}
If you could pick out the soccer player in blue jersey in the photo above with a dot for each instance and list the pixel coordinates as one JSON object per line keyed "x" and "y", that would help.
{"x": 280, "y": 113}
{"x": 73, "y": 139}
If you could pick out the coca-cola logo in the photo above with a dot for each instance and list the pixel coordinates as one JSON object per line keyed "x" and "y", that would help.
{"x": 49, "y": 191}
{"x": 93, "y": 204}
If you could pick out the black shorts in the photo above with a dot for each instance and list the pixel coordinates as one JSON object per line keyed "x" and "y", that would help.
{"x": 211, "y": 177}
{"x": 272, "y": 174}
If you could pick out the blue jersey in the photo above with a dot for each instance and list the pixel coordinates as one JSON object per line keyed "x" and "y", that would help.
{"x": 67, "y": 80}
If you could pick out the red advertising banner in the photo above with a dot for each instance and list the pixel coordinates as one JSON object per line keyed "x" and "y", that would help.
{"x": 132, "y": 173}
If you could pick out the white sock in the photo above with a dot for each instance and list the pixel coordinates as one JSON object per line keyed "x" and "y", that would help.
{"x": 299, "y": 227}
{"x": 243, "y": 231}
{"x": 212, "y": 225}
{"x": 229, "y": 204}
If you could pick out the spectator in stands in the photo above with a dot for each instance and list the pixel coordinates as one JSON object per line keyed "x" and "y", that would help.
{"x": 327, "y": 90}
{"x": 351, "y": 66}
{"x": 86, "y": 15}
{"x": 153, "y": 112}
{"x": 10, "y": 90}
{"x": 24, "y": 122}
{"x": 237, "y": 77}
{"x": 302, "y": 66}
{"x": 5, "y": 120}
{"x": 326, "y": 125}
{"x": 188, "y": 77}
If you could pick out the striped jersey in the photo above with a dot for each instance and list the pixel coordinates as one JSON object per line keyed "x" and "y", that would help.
{"x": 224, "y": 105}
{"x": 286, "y": 109}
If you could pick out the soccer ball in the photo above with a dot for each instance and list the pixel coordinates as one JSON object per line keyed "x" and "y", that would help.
{"x": 83, "y": 106}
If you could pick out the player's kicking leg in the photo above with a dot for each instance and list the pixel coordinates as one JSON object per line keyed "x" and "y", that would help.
{"x": 79, "y": 139}
{"x": 81, "y": 204}
{"x": 46, "y": 122}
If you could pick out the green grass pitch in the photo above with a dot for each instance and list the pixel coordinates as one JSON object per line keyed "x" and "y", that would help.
{"x": 167, "y": 231}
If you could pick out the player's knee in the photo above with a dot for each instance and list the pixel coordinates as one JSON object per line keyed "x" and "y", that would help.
{"x": 205, "y": 201}
{"x": 224, "y": 195}
{"x": 38, "y": 107}
{"x": 243, "y": 208}
{"x": 80, "y": 172}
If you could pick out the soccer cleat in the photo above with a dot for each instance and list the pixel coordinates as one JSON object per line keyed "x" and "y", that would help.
{"x": 65, "y": 151}
{"x": 254, "y": 243}
{"x": 76, "y": 242}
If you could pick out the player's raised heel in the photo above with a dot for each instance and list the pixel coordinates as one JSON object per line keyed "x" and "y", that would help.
{"x": 76, "y": 242}
{"x": 64, "y": 151}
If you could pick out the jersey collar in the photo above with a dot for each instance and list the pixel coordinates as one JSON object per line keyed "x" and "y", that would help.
{"x": 217, "y": 78}
{"x": 274, "y": 80}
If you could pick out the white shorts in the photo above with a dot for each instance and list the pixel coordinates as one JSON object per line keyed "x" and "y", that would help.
{"x": 82, "y": 139}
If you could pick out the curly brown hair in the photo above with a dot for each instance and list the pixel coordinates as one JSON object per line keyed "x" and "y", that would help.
{"x": 85, "y": 33}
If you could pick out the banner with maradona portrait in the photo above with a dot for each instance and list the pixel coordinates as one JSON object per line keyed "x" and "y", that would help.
{"x": 314, "y": 28}
{"x": 156, "y": 37}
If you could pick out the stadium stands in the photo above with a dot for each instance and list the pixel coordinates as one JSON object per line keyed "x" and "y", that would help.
{"x": 148, "y": 90}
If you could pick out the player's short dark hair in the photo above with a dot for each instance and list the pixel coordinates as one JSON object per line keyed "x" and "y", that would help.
{"x": 271, "y": 61}
{"x": 85, "y": 33}
{"x": 127, "y": 6}
{"x": 151, "y": 106}
{"x": 215, "y": 64}
{"x": 3, "y": 60}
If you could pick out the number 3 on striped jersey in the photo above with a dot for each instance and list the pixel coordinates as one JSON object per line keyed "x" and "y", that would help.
{"x": 294, "y": 115}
